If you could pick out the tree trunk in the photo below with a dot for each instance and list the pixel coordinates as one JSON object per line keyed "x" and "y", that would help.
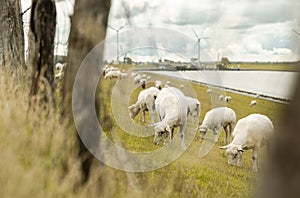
{"x": 41, "y": 45}
{"x": 282, "y": 178}
{"x": 88, "y": 28}
{"x": 11, "y": 34}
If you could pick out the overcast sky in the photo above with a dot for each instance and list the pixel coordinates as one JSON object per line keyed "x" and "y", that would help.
{"x": 248, "y": 30}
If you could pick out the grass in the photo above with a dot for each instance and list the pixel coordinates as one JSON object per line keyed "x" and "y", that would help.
{"x": 39, "y": 154}
{"x": 293, "y": 66}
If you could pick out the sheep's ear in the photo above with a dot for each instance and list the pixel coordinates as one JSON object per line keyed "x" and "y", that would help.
{"x": 240, "y": 149}
{"x": 225, "y": 147}
{"x": 168, "y": 129}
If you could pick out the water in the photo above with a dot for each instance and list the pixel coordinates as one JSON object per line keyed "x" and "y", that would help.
{"x": 273, "y": 84}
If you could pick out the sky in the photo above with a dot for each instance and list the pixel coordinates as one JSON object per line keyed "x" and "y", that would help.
{"x": 248, "y": 30}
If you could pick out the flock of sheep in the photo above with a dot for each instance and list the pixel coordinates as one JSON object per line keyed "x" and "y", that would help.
{"x": 173, "y": 108}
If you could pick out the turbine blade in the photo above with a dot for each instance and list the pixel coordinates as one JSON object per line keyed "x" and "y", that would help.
{"x": 195, "y": 34}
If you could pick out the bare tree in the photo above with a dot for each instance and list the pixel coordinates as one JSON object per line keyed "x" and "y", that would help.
{"x": 88, "y": 28}
{"x": 41, "y": 44}
{"x": 11, "y": 34}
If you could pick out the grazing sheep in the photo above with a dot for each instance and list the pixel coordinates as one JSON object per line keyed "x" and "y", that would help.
{"x": 181, "y": 86}
{"x": 209, "y": 91}
{"x": 143, "y": 83}
{"x": 148, "y": 77}
{"x": 113, "y": 74}
{"x": 193, "y": 107}
{"x": 251, "y": 132}
{"x": 168, "y": 83}
{"x": 137, "y": 79}
{"x": 215, "y": 119}
{"x": 221, "y": 97}
{"x": 158, "y": 84}
{"x": 227, "y": 98}
{"x": 145, "y": 102}
{"x": 172, "y": 110}
{"x": 124, "y": 75}
{"x": 252, "y": 103}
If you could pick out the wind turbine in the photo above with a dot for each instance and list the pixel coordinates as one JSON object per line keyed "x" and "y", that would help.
{"x": 199, "y": 40}
{"x": 117, "y": 31}
{"x": 296, "y": 32}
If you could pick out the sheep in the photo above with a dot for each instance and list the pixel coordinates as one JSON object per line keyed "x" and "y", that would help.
{"x": 251, "y": 132}
{"x": 215, "y": 119}
{"x": 113, "y": 74}
{"x": 172, "y": 110}
{"x": 59, "y": 76}
{"x": 252, "y": 103}
{"x": 168, "y": 83}
{"x": 227, "y": 98}
{"x": 137, "y": 79}
{"x": 134, "y": 74}
{"x": 143, "y": 83}
{"x": 148, "y": 77}
{"x": 145, "y": 102}
{"x": 193, "y": 107}
{"x": 58, "y": 66}
{"x": 158, "y": 84}
{"x": 181, "y": 86}
{"x": 221, "y": 97}
{"x": 209, "y": 91}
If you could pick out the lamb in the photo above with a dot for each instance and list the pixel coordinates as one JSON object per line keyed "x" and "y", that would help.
{"x": 158, "y": 84}
{"x": 251, "y": 132}
{"x": 145, "y": 102}
{"x": 215, "y": 119}
{"x": 193, "y": 107}
{"x": 172, "y": 111}
{"x": 252, "y": 103}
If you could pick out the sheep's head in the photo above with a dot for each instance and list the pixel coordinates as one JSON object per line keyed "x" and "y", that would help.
{"x": 234, "y": 154}
{"x": 203, "y": 130}
{"x": 160, "y": 134}
{"x": 133, "y": 111}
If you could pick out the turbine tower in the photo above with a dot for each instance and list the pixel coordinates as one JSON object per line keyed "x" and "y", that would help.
{"x": 199, "y": 47}
{"x": 117, "y": 31}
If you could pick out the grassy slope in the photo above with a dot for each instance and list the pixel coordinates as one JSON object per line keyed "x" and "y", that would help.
{"x": 268, "y": 66}
{"x": 38, "y": 155}
{"x": 209, "y": 176}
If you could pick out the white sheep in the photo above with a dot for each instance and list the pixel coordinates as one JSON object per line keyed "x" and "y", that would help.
{"x": 215, "y": 119}
{"x": 181, "y": 86}
{"x": 251, "y": 132}
{"x": 172, "y": 111}
{"x": 145, "y": 102}
{"x": 168, "y": 83}
{"x": 113, "y": 74}
{"x": 194, "y": 107}
{"x": 221, "y": 97}
{"x": 134, "y": 74}
{"x": 227, "y": 98}
{"x": 143, "y": 83}
{"x": 252, "y": 103}
{"x": 158, "y": 84}
{"x": 137, "y": 79}
{"x": 209, "y": 91}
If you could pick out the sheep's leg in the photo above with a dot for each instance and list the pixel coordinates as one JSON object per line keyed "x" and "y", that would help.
{"x": 226, "y": 134}
{"x": 143, "y": 116}
{"x": 151, "y": 112}
{"x": 181, "y": 132}
{"x": 216, "y": 135}
{"x": 255, "y": 160}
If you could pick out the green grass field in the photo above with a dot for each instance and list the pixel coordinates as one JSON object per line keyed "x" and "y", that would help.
{"x": 39, "y": 154}
{"x": 293, "y": 66}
